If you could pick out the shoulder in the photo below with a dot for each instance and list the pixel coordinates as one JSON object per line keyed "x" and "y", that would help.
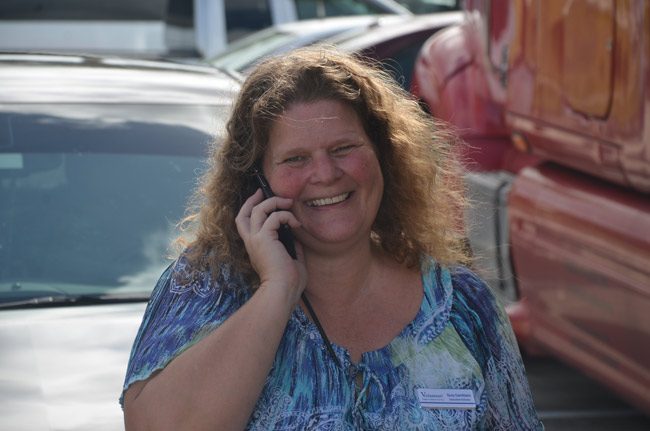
{"x": 187, "y": 297}
{"x": 471, "y": 292}
{"x": 467, "y": 282}
{"x": 464, "y": 286}
{"x": 185, "y": 280}
{"x": 477, "y": 315}
{"x": 186, "y": 304}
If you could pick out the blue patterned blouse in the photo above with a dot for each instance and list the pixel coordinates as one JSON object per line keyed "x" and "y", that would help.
{"x": 456, "y": 366}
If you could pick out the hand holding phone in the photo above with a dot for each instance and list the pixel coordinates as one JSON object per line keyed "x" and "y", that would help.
{"x": 285, "y": 235}
{"x": 286, "y": 238}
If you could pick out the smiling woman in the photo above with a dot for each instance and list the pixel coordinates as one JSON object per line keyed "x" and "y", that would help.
{"x": 320, "y": 156}
{"x": 400, "y": 335}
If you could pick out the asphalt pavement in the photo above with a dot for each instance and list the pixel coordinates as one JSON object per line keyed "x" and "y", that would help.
{"x": 567, "y": 400}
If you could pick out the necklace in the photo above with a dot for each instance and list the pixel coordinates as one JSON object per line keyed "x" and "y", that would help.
{"x": 312, "y": 313}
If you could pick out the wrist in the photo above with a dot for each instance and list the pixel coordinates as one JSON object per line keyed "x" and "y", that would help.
{"x": 280, "y": 293}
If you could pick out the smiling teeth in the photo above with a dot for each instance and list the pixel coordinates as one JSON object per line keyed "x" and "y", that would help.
{"x": 328, "y": 201}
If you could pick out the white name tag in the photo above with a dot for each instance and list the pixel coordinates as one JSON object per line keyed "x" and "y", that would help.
{"x": 446, "y": 398}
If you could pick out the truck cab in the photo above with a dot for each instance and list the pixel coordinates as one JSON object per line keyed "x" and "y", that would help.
{"x": 553, "y": 102}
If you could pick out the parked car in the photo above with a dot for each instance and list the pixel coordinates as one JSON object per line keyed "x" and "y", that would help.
{"x": 394, "y": 41}
{"x": 397, "y": 44}
{"x": 243, "y": 54}
{"x": 98, "y": 157}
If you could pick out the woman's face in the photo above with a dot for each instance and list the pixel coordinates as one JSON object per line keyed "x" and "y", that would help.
{"x": 319, "y": 155}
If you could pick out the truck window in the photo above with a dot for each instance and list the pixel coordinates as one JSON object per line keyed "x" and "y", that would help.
{"x": 577, "y": 55}
{"x": 588, "y": 52}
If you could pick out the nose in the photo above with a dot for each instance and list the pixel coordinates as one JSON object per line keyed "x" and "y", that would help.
{"x": 324, "y": 169}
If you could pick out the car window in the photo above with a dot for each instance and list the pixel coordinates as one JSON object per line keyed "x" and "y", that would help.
{"x": 248, "y": 50}
{"x": 308, "y": 9}
{"x": 398, "y": 55}
{"x": 89, "y": 206}
{"x": 430, "y": 6}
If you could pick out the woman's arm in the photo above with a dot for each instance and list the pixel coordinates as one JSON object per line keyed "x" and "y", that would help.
{"x": 215, "y": 383}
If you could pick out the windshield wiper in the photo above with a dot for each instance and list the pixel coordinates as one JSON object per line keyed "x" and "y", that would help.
{"x": 71, "y": 300}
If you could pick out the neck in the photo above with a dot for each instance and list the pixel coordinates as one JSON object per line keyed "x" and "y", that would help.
{"x": 341, "y": 279}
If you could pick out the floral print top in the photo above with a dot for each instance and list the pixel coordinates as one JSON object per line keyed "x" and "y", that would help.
{"x": 460, "y": 339}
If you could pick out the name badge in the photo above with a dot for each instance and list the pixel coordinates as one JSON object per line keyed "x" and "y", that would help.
{"x": 446, "y": 398}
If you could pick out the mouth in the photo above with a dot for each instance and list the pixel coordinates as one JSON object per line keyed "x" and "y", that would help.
{"x": 314, "y": 203}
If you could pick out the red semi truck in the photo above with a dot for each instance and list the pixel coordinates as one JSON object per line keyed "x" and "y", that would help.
{"x": 552, "y": 98}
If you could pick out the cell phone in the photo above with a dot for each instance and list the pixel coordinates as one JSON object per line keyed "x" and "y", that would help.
{"x": 285, "y": 235}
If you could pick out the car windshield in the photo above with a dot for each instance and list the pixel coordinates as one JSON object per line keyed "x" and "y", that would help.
{"x": 307, "y": 9}
{"x": 430, "y": 6}
{"x": 246, "y": 51}
{"x": 90, "y": 195}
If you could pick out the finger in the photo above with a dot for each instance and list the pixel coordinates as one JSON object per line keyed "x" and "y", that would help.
{"x": 277, "y": 218}
{"x": 242, "y": 220}
{"x": 250, "y": 203}
{"x": 261, "y": 212}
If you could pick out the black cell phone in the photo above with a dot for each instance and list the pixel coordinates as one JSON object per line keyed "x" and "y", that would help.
{"x": 285, "y": 235}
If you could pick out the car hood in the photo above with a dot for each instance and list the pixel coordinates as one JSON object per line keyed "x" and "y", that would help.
{"x": 62, "y": 368}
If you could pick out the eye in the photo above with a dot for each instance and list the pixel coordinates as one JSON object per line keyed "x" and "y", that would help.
{"x": 342, "y": 150}
{"x": 294, "y": 160}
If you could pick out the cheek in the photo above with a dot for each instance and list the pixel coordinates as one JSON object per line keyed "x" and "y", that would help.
{"x": 365, "y": 170}
{"x": 286, "y": 183}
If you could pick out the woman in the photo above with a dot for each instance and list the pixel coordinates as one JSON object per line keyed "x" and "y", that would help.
{"x": 399, "y": 334}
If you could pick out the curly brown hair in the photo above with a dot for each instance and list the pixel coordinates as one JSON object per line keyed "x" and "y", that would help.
{"x": 421, "y": 209}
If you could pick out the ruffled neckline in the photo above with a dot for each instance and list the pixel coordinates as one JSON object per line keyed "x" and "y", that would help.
{"x": 429, "y": 322}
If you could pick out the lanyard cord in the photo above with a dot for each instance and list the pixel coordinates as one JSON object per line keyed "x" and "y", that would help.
{"x": 312, "y": 313}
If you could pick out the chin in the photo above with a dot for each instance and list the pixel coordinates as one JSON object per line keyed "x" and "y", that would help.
{"x": 333, "y": 238}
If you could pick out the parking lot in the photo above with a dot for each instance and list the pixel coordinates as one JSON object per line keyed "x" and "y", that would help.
{"x": 569, "y": 401}
{"x": 98, "y": 154}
